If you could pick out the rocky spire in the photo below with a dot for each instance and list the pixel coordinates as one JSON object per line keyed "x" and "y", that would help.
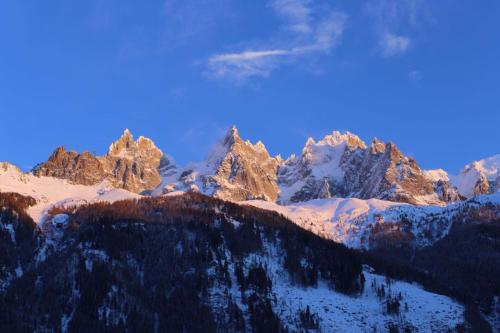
{"x": 377, "y": 146}
{"x": 342, "y": 164}
{"x": 232, "y": 135}
{"x": 131, "y": 165}
{"x": 124, "y": 143}
{"x": 234, "y": 170}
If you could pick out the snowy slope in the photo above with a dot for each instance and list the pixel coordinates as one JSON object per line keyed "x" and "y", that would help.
{"x": 49, "y": 191}
{"x": 342, "y": 220}
{"x": 436, "y": 175}
{"x": 488, "y": 169}
{"x": 337, "y": 312}
{"x": 351, "y": 221}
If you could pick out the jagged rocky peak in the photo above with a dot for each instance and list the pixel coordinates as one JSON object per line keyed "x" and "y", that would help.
{"x": 336, "y": 138}
{"x": 235, "y": 170}
{"x": 124, "y": 144}
{"x": 223, "y": 147}
{"x": 245, "y": 170}
{"x": 386, "y": 173}
{"x": 233, "y": 142}
{"x": 330, "y": 147}
{"x": 131, "y": 165}
{"x": 341, "y": 165}
{"x": 377, "y": 146}
{"x": 126, "y": 147}
{"x": 134, "y": 165}
{"x": 231, "y": 136}
{"x": 82, "y": 168}
{"x": 318, "y": 172}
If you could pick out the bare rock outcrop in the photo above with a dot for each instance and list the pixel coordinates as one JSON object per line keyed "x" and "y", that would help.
{"x": 235, "y": 170}
{"x": 131, "y": 165}
{"x": 341, "y": 165}
{"x": 82, "y": 168}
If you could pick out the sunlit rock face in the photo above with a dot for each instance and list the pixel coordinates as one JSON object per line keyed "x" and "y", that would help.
{"x": 130, "y": 165}
{"x": 342, "y": 165}
{"x": 339, "y": 165}
{"x": 235, "y": 170}
{"x": 245, "y": 171}
{"x": 133, "y": 165}
{"x": 82, "y": 168}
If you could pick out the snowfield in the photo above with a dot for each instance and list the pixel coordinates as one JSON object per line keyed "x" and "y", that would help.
{"x": 350, "y": 221}
{"x": 466, "y": 180}
{"x": 341, "y": 220}
{"x": 49, "y": 191}
{"x": 337, "y": 312}
{"x": 422, "y": 310}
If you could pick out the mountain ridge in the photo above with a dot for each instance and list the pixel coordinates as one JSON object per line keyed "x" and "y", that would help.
{"x": 133, "y": 165}
{"x": 338, "y": 165}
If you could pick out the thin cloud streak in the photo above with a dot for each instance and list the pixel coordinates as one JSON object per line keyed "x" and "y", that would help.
{"x": 306, "y": 36}
{"x": 393, "y": 20}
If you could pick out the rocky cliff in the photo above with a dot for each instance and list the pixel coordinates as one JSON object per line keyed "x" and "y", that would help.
{"x": 235, "y": 170}
{"x": 131, "y": 165}
{"x": 339, "y": 165}
{"x": 342, "y": 165}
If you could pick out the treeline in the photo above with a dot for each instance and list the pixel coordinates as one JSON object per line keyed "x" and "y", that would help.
{"x": 151, "y": 265}
{"x": 16, "y": 204}
{"x": 326, "y": 259}
{"x": 18, "y": 236}
{"x": 463, "y": 265}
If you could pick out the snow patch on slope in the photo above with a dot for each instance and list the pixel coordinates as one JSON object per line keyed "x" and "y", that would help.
{"x": 337, "y": 312}
{"x": 342, "y": 220}
{"x": 49, "y": 191}
{"x": 350, "y": 221}
{"x": 437, "y": 175}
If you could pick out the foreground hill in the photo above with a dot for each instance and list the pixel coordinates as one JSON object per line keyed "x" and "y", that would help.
{"x": 154, "y": 264}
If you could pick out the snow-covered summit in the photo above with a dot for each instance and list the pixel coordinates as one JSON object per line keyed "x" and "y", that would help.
{"x": 364, "y": 223}
{"x": 337, "y": 138}
{"x": 341, "y": 165}
{"x": 479, "y": 177}
{"x": 51, "y": 191}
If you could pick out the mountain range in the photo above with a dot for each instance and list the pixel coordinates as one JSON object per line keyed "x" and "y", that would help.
{"x": 249, "y": 242}
{"x": 339, "y": 165}
{"x": 339, "y": 174}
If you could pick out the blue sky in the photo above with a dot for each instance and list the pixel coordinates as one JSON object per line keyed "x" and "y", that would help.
{"x": 424, "y": 74}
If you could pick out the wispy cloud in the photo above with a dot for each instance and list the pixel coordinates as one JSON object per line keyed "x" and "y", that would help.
{"x": 296, "y": 12}
{"x": 392, "y": 44}
{"x": 394, "y": 21}
{"x": 245, "y": 64}
{"x": 305, "y": 31}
